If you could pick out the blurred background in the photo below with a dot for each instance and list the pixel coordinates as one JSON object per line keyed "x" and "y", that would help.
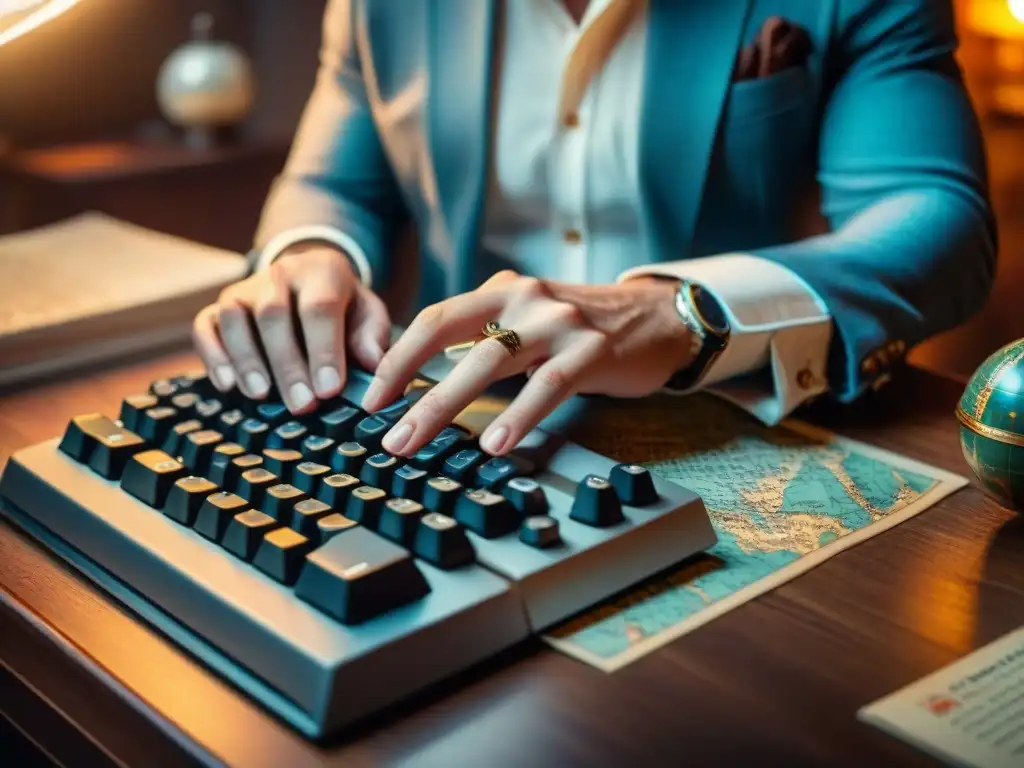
{"x": 100, "y": 110}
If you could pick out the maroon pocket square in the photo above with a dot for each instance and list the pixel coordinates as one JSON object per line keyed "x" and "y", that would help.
{"x": 778, "y": 46}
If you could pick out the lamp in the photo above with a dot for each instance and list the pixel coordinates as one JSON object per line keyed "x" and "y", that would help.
{"x": 999, "y": 27}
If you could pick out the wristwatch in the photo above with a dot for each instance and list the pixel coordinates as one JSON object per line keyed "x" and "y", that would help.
{"x": 703, "y": 315}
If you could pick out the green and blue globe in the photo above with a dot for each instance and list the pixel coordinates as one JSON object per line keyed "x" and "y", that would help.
{"x": 991, "y": 416}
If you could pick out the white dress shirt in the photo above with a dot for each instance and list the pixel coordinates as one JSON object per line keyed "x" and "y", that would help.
{"x": 565, "y": 200}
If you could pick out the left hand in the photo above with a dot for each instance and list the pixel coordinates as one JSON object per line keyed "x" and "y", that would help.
{"x": 623, "y": 340}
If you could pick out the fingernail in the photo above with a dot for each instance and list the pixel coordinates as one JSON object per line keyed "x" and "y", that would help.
{"x": 373, "y": 393}
{"x": 257, "y": 384}
{"x": 373, "y": 352}
{"x": 395, "y": 440}
{"x": 224, "y": 377}
{"x": 300, "y": 395}
{"x": 328, "y": 381}
{"x": 494, "y": 441}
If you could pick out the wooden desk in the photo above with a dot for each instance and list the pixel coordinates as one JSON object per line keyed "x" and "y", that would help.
{"x": 776, "y": 682}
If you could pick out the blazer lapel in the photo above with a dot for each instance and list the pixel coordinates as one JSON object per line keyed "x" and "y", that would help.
{"x": 691, "y": 51}
{"x": 458, "y": 111}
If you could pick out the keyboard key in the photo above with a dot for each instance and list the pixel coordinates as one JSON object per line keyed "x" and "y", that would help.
{"x": 186, "y": 497}
{"x": 317, "y": 448}
{"x": 282, "y": 462}
{"x": 349, "y": 458}
{"x": 431, "y": 456}
{"x": 306, "y": 514}
{"x": 279, "y": 500}
{"x": 216, "y": 512}
{"x": 442, "y": 541}
{"x": 209, "y": 410}
{"x": 339, "y": 423}
{"x": 596, "y": 503}
{"x": 222, "y": 469}
{"x": 634, "y": 484}
{"x": 364, "y": 505}
{"x": 289, "y": 435}
{"x": 197, "y": 382}
{"x": 526, "y": 495}
{"x": 253, "y": 434}
{"x": 497, "y": 471}
{"x": 540, "y": 531}
{"x": 273, "y": 414}
{"x": 163, "y": 389}
{"x": 85, "y": 433}
{"x": 172, "y": 443}
{"x": 112, "y": 451}
{"x": 360, "y": 575}
{"x": 185, "y": 403}
{"x": 197, "y": 449}
{"x": 253, "y": 484}
{"x": 149, "y": 475}
{"x": 155, "y": 423}
{"x": 461, "y": 464}
{"x": 394, "y": 412}
{"x": 308, "y": 475}
{"x": 335, "y": 489}
{"x": 370, "y": 431}
{"x": 408, "y": 482}
{"x": 331, "y": 525}
{"x": 245, "y": 532}
{"x": 486, "y": 513}
{"x": 229, "y": 424}
{"x": 132, "y": 408}
{"x": 399, "y": 519}
{"x": 281, "y": 554}
{"x": 441, "y": 494}
{"x": 378, "y": 471}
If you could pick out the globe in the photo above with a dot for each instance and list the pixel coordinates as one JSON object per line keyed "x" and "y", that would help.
{"x": 991, "y": 416}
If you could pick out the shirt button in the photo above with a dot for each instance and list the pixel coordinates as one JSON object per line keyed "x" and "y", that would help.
{"x": 572, "y": 236}
{"x": 571, "y": 120}
{"x": 805, "y": 379}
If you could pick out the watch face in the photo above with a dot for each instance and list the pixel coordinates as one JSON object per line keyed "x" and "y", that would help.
{"x": 710, "y": 310}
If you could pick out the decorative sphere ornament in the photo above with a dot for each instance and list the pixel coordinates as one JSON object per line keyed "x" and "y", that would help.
{"x": 205, "y": 84}
{"x": 991, "y": 416}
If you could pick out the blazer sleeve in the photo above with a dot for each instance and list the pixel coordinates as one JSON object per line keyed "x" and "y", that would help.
{"x": 912, "y": 246}
{"x": 337, "y": 178}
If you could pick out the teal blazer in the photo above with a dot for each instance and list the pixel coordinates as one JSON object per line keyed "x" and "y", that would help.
{"x": 876, "y": 134}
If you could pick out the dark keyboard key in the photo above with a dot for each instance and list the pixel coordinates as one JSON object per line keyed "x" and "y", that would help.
{"x": 331, "y": 525}
{"x": 252, "y": 434}
{"x": 186, "y": 497}
{"x": 360, "y": 575}
{"x": 398, "y": 520}
{"x": 378, "y": 471}
{"x": 370, "y": 431}
{"x": 242, "y": 464}
{"x": 245, "y": 532}
{"x": 318, "y": 449}
{"x": 281, "y": 554}
{"x": 408, "y": 482}
{"x": 461, "y": 465}
{"x": 209, "y": 410}
{"x": 633, "y": 484}
{"x": 540, "y": 531}
{"x": 222, "y": 471}
{"x": 273, "y": 414}
{"x": 185, "y": 402}
{"x": 112, "y": 451}
{"x": 172, "y": 443}
{"x": 289, "y": 435}
{"x": 441, "y": 494}
{"x": 197, "y": 449}
{"x": 306, "y": 514}
{"x": 394, "y": 412}
{"x": 197, "y": 382}
{"x": 526, "y": 495}
{"x": 486, "y": 513}
{"x": 281, "y": 461}
{"x": 216, "y": 512}
{"x": 596, "y": 503}
{"x": 132, "y": 408}
{"x": 442, "y": 541}
{"x": 84, "y": 433}
{"x": 253, "y": 484}
{"x": 497, "y": 471}
{"x": 335, "y": 489}
{"x": 229, "y": 424}
{"x": 155, "y": 423}
{"x": 349, "y": 458}
{"x": 279, "y": 500}
{"x": 163, "y": 390}
{"x": 431, "y": 456}
{"x": 364, "y": 505}
{"x": 149, "y": 475}
{"x": 308, "y": 475}
{"x": 339, "y": 423}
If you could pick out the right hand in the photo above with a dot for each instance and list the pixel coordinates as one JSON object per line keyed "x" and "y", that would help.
{"x": 337, "y": 313}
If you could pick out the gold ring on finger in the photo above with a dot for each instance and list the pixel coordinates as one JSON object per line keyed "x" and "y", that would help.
{"x": 508, "y": 338}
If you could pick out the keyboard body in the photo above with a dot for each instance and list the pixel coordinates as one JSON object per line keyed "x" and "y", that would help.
{"x": 306, "y": 636}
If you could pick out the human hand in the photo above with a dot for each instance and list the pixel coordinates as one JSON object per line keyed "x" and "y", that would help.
{"x": 314, "y": 284}
{"x": 622, "y": 340}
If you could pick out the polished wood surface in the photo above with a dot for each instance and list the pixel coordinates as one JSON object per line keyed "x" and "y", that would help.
{"x": 775, "y": 682}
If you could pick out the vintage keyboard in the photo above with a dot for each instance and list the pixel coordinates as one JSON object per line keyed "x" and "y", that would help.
{"x": 322, "y": 576}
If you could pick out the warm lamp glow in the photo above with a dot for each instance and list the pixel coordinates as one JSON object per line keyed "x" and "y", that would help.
{"x": 29, "y": 14}
{"x": 1017, "y": 9}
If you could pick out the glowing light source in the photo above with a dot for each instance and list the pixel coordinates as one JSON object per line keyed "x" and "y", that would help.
{"x": 1016, "y": 9}
{"x": 30, "y": 14}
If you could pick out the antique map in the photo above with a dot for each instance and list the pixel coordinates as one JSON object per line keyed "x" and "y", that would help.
{"x": 782, "y": 501}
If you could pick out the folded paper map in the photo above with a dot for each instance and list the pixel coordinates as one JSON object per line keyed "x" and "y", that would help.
{"x": 782, "y": 501}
